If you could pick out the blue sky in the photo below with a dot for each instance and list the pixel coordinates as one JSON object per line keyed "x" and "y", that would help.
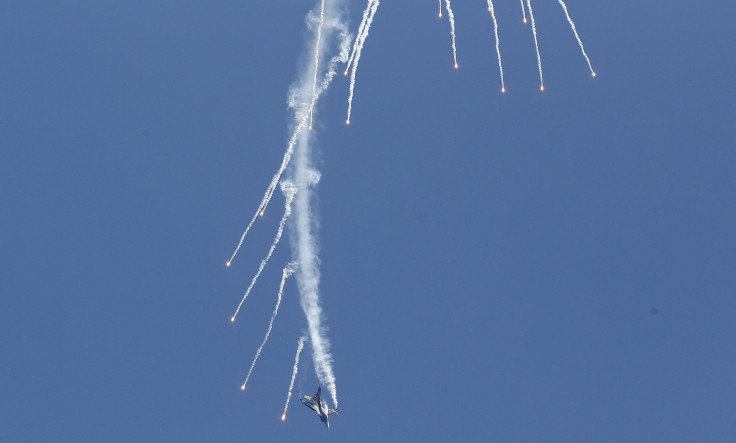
{"x": 531, "y": 266}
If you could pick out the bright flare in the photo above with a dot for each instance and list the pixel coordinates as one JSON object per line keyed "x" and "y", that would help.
{"x": 523, "y": 11}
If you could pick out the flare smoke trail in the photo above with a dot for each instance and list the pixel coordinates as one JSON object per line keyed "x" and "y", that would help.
{"x": 575, "y": 31}
{"x": 299, "y": 348}
{"x": 440, "y": 14}
{"x": 289, "y": 191}
{"x": 316, "y": 62}
{"x": 498, "y": 49}
{"x": 523, "y": 11}
{"x": 303, "y": 225}
{"x": 288, "y": 270}
{"x": 301, "y": 125}
{"x": 451, "y": 16}
{"x": 359, "y": 44}
{"x": 536, "y": 45}
{"x": 359, "y": 35}
{"x": 272, "y": 186}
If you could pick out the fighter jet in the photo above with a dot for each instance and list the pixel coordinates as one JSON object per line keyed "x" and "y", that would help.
{"x": 319, "y": 407}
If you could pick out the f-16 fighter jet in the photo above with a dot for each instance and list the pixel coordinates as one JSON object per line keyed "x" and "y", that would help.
{"x": 319, "y": 407}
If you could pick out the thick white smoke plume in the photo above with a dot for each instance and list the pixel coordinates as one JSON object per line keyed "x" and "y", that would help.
{"x": 328, "y": 32}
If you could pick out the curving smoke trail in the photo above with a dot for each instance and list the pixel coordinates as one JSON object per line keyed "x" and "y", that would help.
{"x": 498, "y": 49}
{"x": 299, "y": 348}
{"x": 329, "y": 29}
{"x": 536, "y": 45}
{"x": 288, "y": 270}
{"x": 575, "y": 31}
{"x": 358, "y": 49}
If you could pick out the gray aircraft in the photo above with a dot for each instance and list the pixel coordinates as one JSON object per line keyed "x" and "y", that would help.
{"x": 319, "y": 407}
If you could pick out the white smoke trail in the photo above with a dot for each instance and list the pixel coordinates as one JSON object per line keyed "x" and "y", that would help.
{"x": 299, "y": 348}
{"x": 304, "y": 224}
{"x": 523, "y": 11}
{"x": 536, "y": 45}
{"x": 369, "y": 21}
{"x": 451, "y": 16}
{"x": 288, "y": 189}
{"x": 316, "y": 62}
{"x": 440, "y": 14}
{"x": 288, "y": 270}
{"x": 575, "y": 31}
{"x": 359, "y": 35}
{"x": 498, "y": 49}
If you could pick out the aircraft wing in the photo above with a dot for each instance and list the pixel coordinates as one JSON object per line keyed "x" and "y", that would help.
{"x": 310, "y": 405}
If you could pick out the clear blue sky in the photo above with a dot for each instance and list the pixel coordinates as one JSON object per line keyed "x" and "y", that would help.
{"x": 553, "y": 266}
